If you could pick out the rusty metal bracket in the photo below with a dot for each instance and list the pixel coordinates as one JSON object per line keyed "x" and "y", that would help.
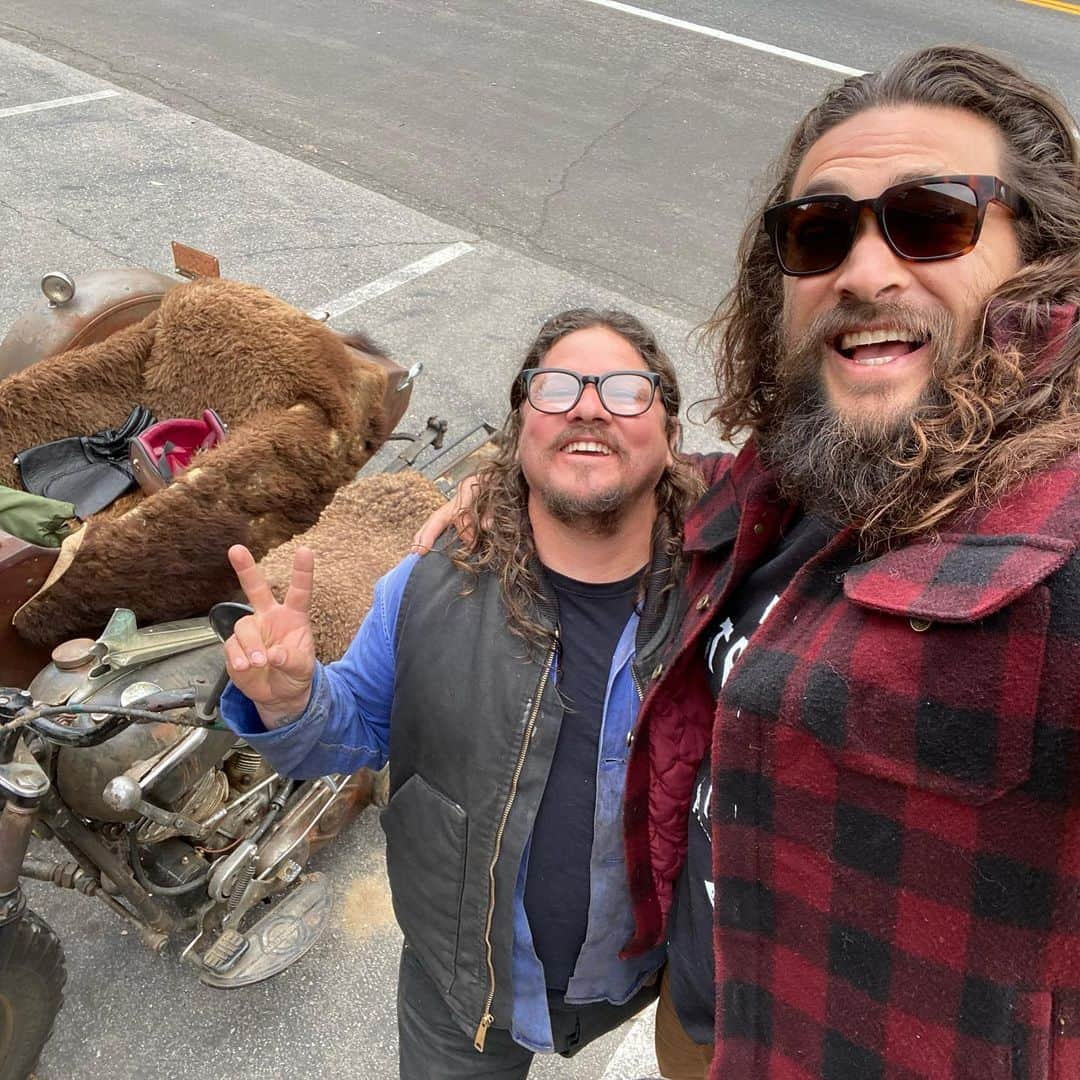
{"x": 192, "y": 263}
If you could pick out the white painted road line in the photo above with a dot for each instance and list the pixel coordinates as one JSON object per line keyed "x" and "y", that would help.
{"x": 391, "y": 281}
{"x": 733, "y": 39}
{"x": 58, "y": 103}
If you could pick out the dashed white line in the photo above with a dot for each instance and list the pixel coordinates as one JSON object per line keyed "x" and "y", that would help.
{"x": 732, "y": 39}
{"x": 58, "y": 103}
{"x": 391, "y": 281}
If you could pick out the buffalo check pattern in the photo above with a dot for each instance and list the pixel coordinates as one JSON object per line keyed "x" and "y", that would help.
{"x": 896, "y": 794}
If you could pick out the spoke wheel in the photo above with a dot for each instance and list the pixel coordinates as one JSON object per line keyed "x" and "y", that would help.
{"x": 31, "y": 993}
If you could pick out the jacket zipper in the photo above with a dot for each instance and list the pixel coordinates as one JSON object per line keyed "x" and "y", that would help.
{"x": 487, "y": 1019}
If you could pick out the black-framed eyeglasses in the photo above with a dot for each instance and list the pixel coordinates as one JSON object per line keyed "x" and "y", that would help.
{"x": 622, "y": 393}
{"x": 937, "y": 217}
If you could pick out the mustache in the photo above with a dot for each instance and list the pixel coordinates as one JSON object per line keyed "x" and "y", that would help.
{"x": 586, "y": 433}
{"x": 934, "y": 325}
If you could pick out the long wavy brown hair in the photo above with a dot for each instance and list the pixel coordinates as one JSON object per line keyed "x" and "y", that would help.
{"x": 1009, "y": 405}
{"x": 499, "y": 519}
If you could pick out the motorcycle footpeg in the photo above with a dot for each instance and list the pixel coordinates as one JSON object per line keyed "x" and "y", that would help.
{"x": 224, "y": 953}
{"x": 278, "y": 939}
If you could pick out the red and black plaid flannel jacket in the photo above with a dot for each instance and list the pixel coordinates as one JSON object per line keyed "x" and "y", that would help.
{"x": 896, "y": 794}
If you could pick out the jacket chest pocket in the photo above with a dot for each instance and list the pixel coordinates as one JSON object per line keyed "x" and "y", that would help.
{"x": 949, "y": 708}
{"x": 925, "y": 672}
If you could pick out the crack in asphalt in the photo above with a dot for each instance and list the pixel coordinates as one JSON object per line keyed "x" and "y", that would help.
{"x": 590, "y": 146}
{"x": 92, "y": 240}
{"x": 524, "y": 242}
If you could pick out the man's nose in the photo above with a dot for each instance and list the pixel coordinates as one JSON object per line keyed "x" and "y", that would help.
{"x": 872, "y": 270}
{"x": 589, "y": 406}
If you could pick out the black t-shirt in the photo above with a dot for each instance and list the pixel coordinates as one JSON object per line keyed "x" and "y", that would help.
{"x": 592, "y": 618}
{"x": 690, "y": 942}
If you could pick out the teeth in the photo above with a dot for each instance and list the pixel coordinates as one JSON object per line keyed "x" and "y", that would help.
{"x": 873, "y": 361}
{"x": 587, "y": 447}
{"x": 874, "y": 337}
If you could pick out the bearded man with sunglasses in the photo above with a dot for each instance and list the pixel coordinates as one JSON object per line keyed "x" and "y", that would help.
{"x": 853, "y": 806}
{"x": 503, "y": 682}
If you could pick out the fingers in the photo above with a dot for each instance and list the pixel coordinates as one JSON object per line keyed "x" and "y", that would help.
{"x": 433, "y": 528}
{"x": 298, "y": 598}
{"x": 452, "y": 515}
{"x": 251, "y": 579}
{"x": 246, "y": 649}
{"x": 236, "y": 661}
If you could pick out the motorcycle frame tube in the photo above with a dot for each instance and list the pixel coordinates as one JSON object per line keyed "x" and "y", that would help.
{"x": 80, "y": 839}
{"x": 17, "y": 817}
{"x": 16, "y": 825}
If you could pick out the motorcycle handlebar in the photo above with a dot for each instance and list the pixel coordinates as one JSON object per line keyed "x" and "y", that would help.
{"x": 93, "y": 732}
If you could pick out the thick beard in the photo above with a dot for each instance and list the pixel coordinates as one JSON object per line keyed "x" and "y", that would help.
{"x": 598, "y": 515}
{"x": 841, "y": 468}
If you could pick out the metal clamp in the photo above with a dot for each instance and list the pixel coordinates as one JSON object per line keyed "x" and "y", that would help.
{"x": 23, "y": 781}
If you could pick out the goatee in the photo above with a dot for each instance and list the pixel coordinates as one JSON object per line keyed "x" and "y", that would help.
{"x": 598, "y": 514}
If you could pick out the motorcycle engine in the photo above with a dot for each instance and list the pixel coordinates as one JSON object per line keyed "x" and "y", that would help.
{"x": 195, "y": 782}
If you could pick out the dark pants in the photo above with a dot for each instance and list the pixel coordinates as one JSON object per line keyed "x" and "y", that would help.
{"x": 431, "y": 1045}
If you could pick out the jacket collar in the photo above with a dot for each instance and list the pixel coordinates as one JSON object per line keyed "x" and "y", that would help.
{"x": 714, "y": 521}
{"x": 980, "y": 562}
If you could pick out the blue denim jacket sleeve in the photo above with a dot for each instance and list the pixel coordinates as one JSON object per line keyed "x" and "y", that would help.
{"x": 346, "y": 725}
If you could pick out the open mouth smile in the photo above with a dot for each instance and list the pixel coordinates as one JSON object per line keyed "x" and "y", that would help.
{"x": 584, "y": 446}
{"x": 875, "y": 348}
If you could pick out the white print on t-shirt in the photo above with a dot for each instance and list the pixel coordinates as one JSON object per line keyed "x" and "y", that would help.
{"x": 703, "y": 794}
{"x": 723, "y": 633}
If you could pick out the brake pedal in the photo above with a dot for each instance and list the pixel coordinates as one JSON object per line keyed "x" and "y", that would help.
{"x": 228, "y": 948}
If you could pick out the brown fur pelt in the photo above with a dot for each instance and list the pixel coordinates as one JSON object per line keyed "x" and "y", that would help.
{"x": 364, "y": 532}
{"x": 304, "y": 413}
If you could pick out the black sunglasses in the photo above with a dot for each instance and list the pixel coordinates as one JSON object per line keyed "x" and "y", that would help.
{"x": 939, "y": 217}
{"x": 556, "y": 390}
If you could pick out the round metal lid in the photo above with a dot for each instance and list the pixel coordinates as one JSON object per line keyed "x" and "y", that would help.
{"x": 69, "y": 655}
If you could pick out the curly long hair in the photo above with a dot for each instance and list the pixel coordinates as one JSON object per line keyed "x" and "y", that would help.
{"x": 1007, "y": 406}
{"x": 499, "y": 518}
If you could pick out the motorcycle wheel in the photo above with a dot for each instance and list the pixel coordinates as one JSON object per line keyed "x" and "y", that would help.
{"x": 31, "y": 993}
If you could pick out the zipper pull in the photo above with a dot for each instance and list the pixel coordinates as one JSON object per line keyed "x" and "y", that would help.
{"x": 481, "y": 1032}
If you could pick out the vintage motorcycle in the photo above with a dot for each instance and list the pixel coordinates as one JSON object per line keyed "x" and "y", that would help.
{"x": 114, "y": 762}
{"x": 115, "y": 755}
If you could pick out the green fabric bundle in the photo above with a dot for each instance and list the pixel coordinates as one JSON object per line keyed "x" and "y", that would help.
{"x": 35, "y": 519}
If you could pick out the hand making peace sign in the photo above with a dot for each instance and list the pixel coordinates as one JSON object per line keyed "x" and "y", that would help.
{"x": 271, "y": 654}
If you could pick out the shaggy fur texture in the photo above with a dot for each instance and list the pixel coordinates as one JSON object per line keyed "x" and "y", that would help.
{"x": 304, "y": 413}
{"x": 361, "y": 535}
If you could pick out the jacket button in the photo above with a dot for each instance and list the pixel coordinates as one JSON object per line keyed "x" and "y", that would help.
{"x": 658, "y": 671}
{"x": 702, "y": 603}
{"x": 919, "y": 625}
{"x": 759, "y": 529}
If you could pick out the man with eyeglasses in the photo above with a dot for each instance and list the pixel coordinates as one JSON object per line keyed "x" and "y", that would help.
{"x": 853, "y": 802}
{"x": 853, "y": 806}
{"x": 504, "y": 682}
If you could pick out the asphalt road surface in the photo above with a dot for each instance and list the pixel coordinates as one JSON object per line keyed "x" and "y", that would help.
{"x": 445, "y": 175}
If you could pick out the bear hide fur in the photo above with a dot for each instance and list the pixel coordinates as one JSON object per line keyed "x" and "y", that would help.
{"x": 303, "y": 411}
